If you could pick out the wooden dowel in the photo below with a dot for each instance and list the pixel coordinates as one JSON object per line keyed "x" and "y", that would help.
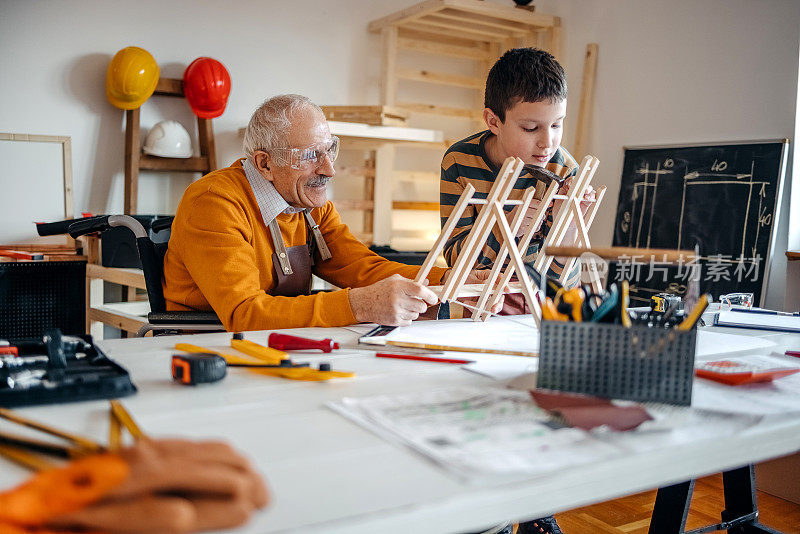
{"x": 126, "y": 420}
{"x": 80, "y": 441}
{"x": 658, "y": 255}
{"x": 452, "y": 348}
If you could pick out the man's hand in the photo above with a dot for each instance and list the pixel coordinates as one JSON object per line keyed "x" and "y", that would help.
{"x": 395, "y": 301}
{"x": 175, "y": 486}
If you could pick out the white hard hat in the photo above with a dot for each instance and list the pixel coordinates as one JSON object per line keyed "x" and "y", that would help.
{"x": 168, "y": 139}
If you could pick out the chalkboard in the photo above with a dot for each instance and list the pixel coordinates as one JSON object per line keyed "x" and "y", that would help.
{"x": 722, "y": 198}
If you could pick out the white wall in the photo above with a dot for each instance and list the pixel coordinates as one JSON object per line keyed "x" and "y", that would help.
{"x": 683, "y": 71}
{"x": 668, "y": 72}
{"x": 55, "y": 54}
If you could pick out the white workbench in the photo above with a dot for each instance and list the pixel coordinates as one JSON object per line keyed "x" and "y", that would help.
{"x": 326, "y": 474}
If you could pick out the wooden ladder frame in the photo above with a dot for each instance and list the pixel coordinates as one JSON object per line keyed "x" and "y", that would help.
{"x": 494, "y": 215}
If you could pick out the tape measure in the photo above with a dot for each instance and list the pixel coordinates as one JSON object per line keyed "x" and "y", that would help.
{"x": 661, "y": 302}
{"x": 198, "y": 368}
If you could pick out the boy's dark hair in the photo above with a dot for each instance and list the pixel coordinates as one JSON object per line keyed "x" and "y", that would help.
{"x": 524, "y": 75}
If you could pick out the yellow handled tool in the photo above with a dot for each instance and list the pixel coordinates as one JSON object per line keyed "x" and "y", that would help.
{"x": 265, "y": 354}
{"x": 694, "y": 316}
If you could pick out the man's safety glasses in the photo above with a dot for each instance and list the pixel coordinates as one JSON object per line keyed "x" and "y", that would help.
{"x": 302, "y": 158}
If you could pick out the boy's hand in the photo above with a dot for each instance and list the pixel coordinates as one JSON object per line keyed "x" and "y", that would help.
{"x": 528, "y": 219}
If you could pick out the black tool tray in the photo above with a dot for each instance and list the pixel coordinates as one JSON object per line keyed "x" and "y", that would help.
{"x": 56, "y": 369}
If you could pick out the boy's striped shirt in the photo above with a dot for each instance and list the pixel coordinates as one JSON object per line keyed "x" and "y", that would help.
{"x": 466, "y": 162}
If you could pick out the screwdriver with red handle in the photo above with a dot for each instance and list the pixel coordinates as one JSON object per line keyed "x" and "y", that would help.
{"x": 287, "y": 342}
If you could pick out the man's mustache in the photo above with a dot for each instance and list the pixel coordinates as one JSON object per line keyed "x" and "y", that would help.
{"x": 318, "y": 181}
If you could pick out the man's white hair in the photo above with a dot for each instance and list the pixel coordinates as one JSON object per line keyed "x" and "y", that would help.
{"x": 270, "y": 123}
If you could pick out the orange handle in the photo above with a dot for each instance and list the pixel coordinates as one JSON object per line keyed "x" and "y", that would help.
{"x": 63, "y": 490}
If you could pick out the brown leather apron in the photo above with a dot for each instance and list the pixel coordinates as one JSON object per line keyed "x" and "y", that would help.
{"x": 293, "y": 266}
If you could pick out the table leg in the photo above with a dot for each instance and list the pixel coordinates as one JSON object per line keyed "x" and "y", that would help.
{"x": 671, "y": 508}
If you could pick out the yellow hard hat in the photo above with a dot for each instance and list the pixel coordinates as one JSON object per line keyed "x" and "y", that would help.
{"x": 131, "y": 78}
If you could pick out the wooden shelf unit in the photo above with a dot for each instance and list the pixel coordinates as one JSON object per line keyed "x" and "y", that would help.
{"x": 466, "y": 29}
{"x": 136, "y": 160}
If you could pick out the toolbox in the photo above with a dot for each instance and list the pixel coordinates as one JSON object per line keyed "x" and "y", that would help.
{"x": 55, "y": 369}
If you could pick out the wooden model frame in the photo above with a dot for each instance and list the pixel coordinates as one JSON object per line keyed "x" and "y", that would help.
{"x": 493, "y": 214}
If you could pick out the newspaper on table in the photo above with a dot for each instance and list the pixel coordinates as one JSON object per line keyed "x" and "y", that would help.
{"x": 475, "y": 431}
{"x": 486, "y": 431}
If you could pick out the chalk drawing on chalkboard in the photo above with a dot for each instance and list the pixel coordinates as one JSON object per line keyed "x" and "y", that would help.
{"x": 723, "y": 198}
{"x": 645, "y": 194}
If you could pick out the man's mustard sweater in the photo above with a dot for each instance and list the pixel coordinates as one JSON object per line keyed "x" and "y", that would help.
{"x": 220, "y": 259}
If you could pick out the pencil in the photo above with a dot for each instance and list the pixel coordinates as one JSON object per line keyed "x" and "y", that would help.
{"x": 420, "y": 358}
{"x": 450, "y": 348}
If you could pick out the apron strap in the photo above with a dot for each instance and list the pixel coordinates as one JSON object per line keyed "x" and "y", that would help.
{"x": 280, "y": 248}
{"x": 324, "y": 252}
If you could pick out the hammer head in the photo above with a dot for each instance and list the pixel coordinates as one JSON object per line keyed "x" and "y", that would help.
{"x": 544, "y": 179}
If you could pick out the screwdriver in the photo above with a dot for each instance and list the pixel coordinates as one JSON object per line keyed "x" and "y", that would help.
{"x": 287, "y": 342}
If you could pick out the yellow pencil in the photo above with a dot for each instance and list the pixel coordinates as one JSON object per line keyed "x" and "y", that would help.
{"x": 691, "y": 319}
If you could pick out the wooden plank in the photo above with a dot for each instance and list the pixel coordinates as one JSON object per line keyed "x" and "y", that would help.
{"x": 409, "y": 205}
{"x": 369, "y": 191}
{"x": 440, "y": 77}
{"x": 499, "y": 11}
{"x": 382, "y": 224}
{"x": 48, "y": 248}
{"x": 353, "y": 204}
{"x": 477, "y": 236}
{"x": 405, "y": 15}
{"x": 510, "y": 27}
{"x": 169, "y": 87}
{"x": 122, "y": 321}
{"x": 66, "y": 150}
{"x": 447, "y": 230}
{"x": 555, "y": 40}
{"x": 415, "y": 176}
{"x": 430, "y": 35}
{"x": 562, "y": 218}
{"x": 156, "y": 163}
{"x": 470, "y": 39}
{"x": 516, "y": 260}
{"x": 132, "y": 153}
{"x": 658, "y": 255}
{"x": 374, "y": 115}
{"x": 587, "y": 97}
{"x": 388, "y": 79}
{"x": 116, "y": 275}
{"x": 355, "y": 170}
{"x": 480, "y": 31}
{"x": 527, "y": 237}
{"x": 792, "y": 255}
{"x": 387, "y": 133}
{"x": 497, "y": 268}
{"x": 208, "y": 149}
{"x": 441, "y": 49}
{"x": 447, "y": 111}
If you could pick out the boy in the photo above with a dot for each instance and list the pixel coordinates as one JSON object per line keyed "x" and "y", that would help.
{"x": 526, "y": 102}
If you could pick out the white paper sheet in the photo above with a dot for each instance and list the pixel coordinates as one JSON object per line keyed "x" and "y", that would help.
{"x": 779, "y": 396}
{"x": 517, "y": 333}
{"x": 714, "y": 345}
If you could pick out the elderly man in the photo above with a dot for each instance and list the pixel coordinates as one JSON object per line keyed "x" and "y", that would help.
{"x": 246, "y": 239}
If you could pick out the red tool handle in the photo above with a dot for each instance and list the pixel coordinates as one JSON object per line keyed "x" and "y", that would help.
{"x": 287, "y": 342}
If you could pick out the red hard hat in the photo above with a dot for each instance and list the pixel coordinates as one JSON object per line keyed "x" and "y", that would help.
{"x": 206, "y": 84}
